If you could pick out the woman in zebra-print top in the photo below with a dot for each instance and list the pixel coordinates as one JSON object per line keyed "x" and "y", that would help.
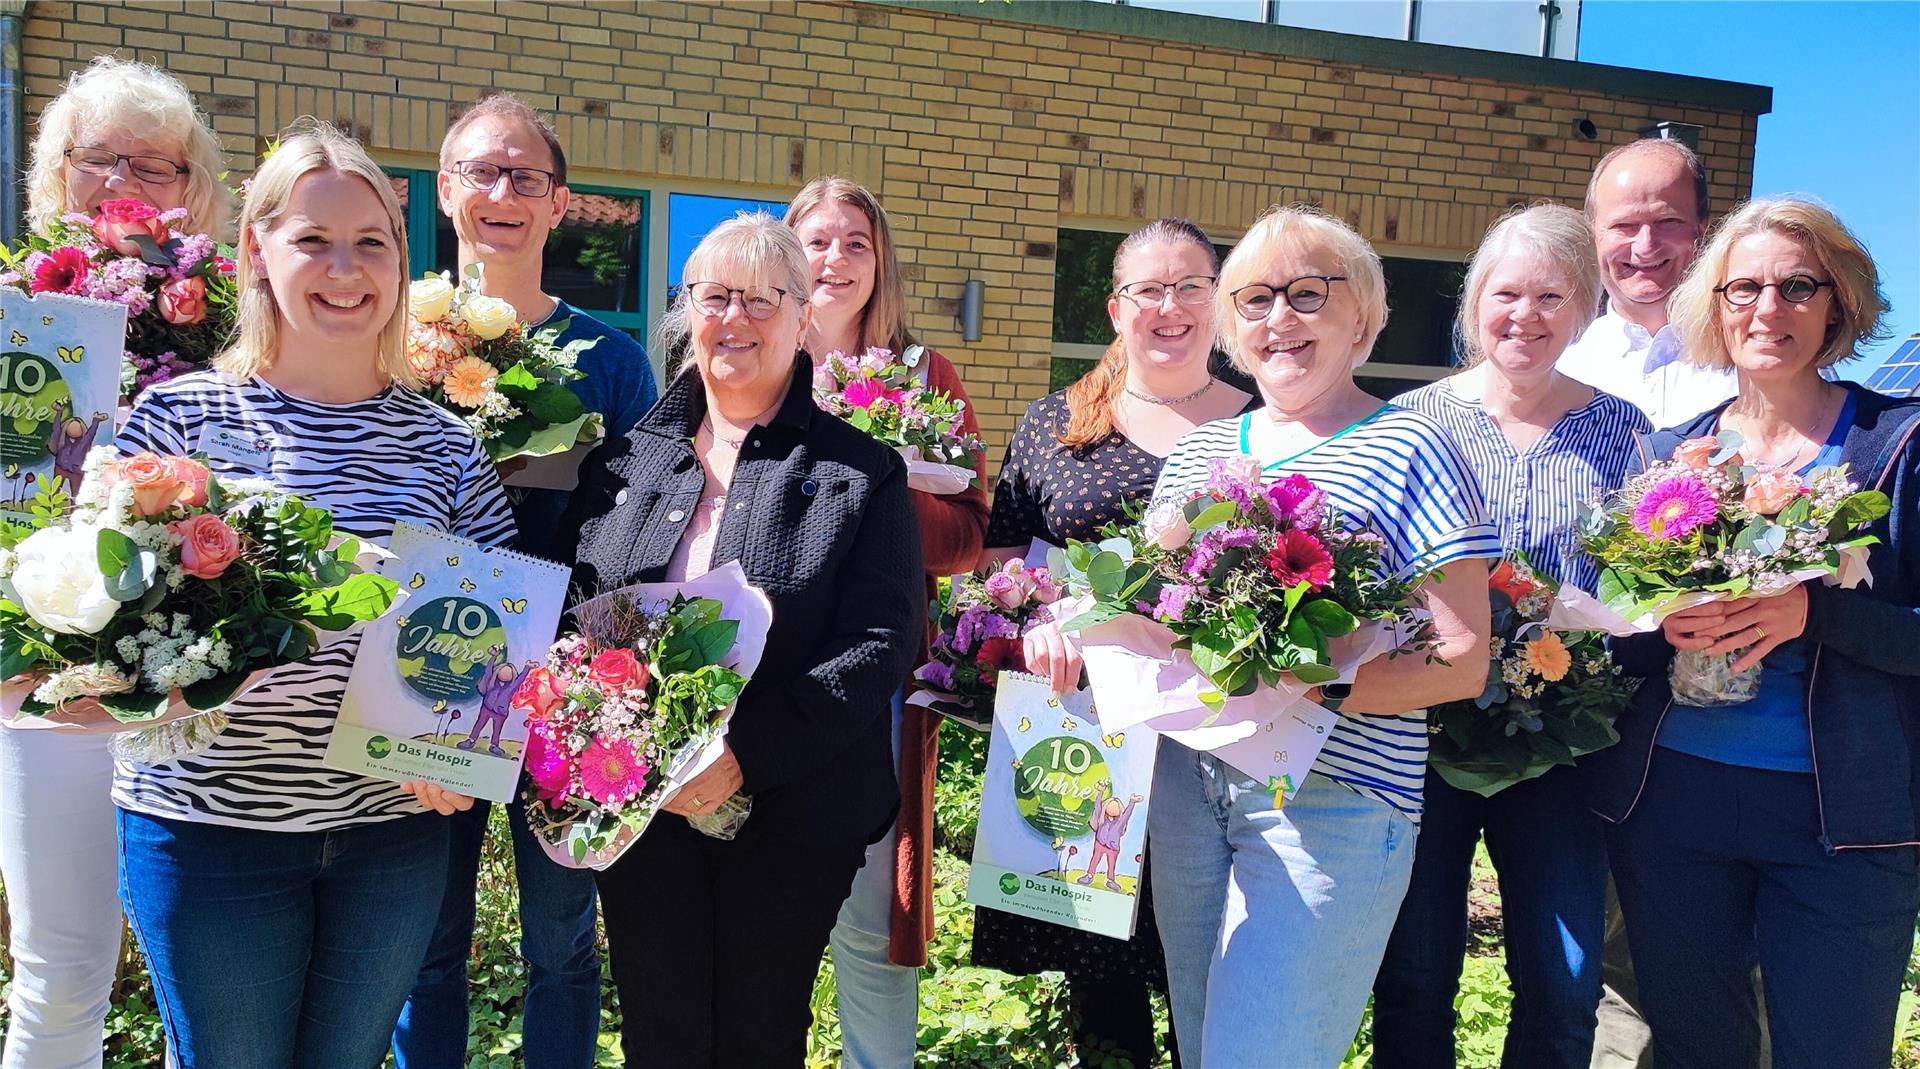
{"x": 284, "y": 907}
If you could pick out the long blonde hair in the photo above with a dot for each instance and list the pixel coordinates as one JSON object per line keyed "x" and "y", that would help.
{"x": 143, "y": 101}
{"x": 307, "y": 146}
{"x": 883, "y": 323}
{"x": 1091, "y": 398}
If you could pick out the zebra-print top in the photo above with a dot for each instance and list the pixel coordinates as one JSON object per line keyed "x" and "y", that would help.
{"x": 396, "y": 456}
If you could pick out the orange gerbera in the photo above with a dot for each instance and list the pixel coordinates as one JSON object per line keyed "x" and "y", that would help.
{"x": 469, "y": 382}
{"x": 1548, "y": 657}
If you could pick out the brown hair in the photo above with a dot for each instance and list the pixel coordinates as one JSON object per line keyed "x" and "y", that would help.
{"x": 1091, "y": 399}
{"x": 883, "y": 323}
{"x": 505, "y": 105}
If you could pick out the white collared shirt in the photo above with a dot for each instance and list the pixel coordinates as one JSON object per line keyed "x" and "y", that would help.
{"x": 1619, "y": 356}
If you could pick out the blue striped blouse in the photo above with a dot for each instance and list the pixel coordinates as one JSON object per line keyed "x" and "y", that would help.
{"x": 1398, "y": 474}
{"x": 1533, "y": 497}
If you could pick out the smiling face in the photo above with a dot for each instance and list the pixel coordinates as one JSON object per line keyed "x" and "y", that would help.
{"x": 737, "y": 353}
{"x": 1646, "y": 226}
{"x": 331, "y": 261}
{"x": 1169, "y": 334}
{"x": 1773, "y": 337}
{"x": 86, "y": 192}
{"x": 1294, "y": 357}
{"x": 841, "y": 258}
{"x": 498, "y": 223}
{"x": 1526, "y": 311}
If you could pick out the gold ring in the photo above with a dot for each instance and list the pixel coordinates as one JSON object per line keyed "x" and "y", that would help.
{"x": 1759, "y": 633}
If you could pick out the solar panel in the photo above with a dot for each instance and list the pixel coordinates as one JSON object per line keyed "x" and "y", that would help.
{"x": 1900, "y": 375}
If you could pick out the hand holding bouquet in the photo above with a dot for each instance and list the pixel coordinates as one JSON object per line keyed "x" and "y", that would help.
{"x": 883, "y": 397}
{"x": 1551, "y": 696}
{"x": 634, "y": 706}
{"x": 164, "y": 582}
{"x": 509, "y": 383}
{"x": 980, "y": 622}
{"x": 1706, "y": 526}
{"x": 179, "y": 289}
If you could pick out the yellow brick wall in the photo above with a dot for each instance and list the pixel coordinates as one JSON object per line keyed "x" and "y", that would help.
{"x": 980, "y": 135}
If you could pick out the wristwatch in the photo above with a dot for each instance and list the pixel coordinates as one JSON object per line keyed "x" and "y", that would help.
{"x": 1333, "y": 695}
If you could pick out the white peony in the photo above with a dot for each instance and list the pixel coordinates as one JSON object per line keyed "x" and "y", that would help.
{"x": 429, "y": 299}
{"x": 56, "y": 573}
{"x": 488, "y": 317}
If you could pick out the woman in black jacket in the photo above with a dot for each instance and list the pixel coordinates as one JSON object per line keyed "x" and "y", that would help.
{"x": 1782, "y": 825}
{"x": 715, "y": 943}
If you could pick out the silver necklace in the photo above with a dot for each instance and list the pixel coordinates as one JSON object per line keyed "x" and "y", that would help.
{"x": 718, "y": 437}
{"x": 1169, "y": 401}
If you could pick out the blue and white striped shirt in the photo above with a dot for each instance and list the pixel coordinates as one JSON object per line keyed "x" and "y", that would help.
{"x": 1397, "y": 474}
{"x": 1534, "y": 496}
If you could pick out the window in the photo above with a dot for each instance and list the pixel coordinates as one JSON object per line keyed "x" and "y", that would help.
{"x": 594, "y": 260}
{"x": 690, "y": 216}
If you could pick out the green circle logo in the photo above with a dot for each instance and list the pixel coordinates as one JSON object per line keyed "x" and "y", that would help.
{"x": 378, "y": 747}
{"x": 447, "y": 645}
{"x": 1054, "y": 786}
{"x": 1009, "y": 883}
{"x": 36, "y": 409}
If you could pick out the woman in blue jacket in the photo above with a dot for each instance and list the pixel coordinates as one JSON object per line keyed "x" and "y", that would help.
{"x": 1782, "y": 826}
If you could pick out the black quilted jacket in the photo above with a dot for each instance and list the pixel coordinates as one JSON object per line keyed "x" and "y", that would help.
{"x": 818, "y": 516}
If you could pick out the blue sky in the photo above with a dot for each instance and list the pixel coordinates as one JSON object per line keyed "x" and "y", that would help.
{"x": 1845, "y": 124}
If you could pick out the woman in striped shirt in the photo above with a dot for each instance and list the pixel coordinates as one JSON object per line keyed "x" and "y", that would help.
{"x": 1540, "y": 444}
{"x": 284, "y": 907}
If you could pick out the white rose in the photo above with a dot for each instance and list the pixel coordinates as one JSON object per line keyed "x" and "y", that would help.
{"x": 1166, "y": 525}
{"x": 56, "y": 574}
{"x": 488, "y": 317}
{"x": 429, "y": 299}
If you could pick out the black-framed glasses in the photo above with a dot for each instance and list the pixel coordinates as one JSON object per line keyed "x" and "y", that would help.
{"x": 1794, "y": 289}
{"x": 1192, "y": 291}
{"x": 711, "y": 299}
{"x": 1306, "y": 295}
{"x": 526, "y": 181}
{"x": 157, "y": 170}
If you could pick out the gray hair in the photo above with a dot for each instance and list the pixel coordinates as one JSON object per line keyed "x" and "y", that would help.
{"x": 1554, "y": 231}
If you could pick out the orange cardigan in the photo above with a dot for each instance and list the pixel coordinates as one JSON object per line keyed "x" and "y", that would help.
{"x": 953, "y": 529}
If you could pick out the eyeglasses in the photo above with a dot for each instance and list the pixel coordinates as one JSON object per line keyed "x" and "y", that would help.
{"x": 1192, "y": 291}
{"x": 1306, "y": 295}
{"x": 1794, "y": 289}
{"x": 711, "y": 299}
{"x": 1545, "y": 304}
{"x": 526, "y": 181}
{"x": 157, "y": 170}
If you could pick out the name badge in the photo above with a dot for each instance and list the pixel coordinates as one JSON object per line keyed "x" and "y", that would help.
{"x": 249, "y": 452}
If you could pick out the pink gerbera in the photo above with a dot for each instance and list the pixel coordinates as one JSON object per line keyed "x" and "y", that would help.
{"x": 61, "y": 271}
{"x": 1674, "y": 508}
{"x": 863, "y": 393}
{"x": 1298, "y": 558}
{"x": 610, "y": 772}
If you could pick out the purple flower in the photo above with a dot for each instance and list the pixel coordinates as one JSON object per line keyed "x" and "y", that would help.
{"x": 1206, "y": 553}
{"x": 1174, "y": 598}
{"x": 1296, "y": 500}
{"x": 1227, "y": 479}
{"x": 937, "y": 674}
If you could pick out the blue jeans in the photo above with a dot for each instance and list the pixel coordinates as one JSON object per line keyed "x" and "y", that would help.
{"x": 561, "y": 1023}
{"x": 281, "y": 948}
{"x": 1718, "y": 861}
{"x": 1550, "y": 852}
{"x": 1273, "y": 919}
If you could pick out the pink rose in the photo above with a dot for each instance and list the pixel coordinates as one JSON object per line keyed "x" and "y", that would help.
{"x": 1006, "y": 590}
{"x": 1044, "y": 588}
{"x": 120, "y": 221}
{"x": 824, "y": 380}
{"x": 183, "y": 302}
{"x": 157, "y": 483}
{"x": 207, "y": 545}
{"x": 193, "y": 475}
{"x": 617, "y": 670}
{"x": 539, "y": 694}
{"x": 1770, "y": 491}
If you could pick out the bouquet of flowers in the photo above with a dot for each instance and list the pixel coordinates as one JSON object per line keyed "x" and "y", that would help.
{"x": 882, "y": 396}
{"x": 980, "y": 620}
{"x": 1255, "y": 582}
{"x": 179, "y": 289}
{"x": 163, "y": 581}
{"x": 509, "y": 383}
{"x": 1706, "y": 526}
{"x": 632, "y": 707}
{"x": 1551, "y": 696}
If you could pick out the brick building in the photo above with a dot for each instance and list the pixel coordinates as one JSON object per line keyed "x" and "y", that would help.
{"x": 1012, "y": 142}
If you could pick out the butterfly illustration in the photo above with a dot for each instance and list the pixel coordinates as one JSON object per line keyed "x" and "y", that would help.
{"x": 401, "y": 623}
{"x": 13, "y": 470}
{"x": 1026, "y": 723}
{"x": 440, "y": 706}
{"x": 419, "y": 580}
{"x": 46, "y": 321}
{"x": 497, "y": 573}
{"x": 512, "y": 606}
{"x": 466, "y": 585}
{"x": 1016, "y": 764}
{"x": 17, "y": 338}
{"x": 453, "y": 562}
{"x": 1067, "y": 723}
{"x": 1115, "y": 740}
{"x": 1279, "y": 757}
{"x": 410, "y": 666}
{"x": 70, "y": 356}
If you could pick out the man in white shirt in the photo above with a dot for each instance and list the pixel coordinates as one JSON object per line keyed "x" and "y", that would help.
{"x": 1647, "y": 204}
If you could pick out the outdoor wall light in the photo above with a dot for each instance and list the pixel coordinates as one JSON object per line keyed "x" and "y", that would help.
{"x": 1584, "y": 128}
{"x": 1686, "y": 133}
{"x": 972, "y": 299}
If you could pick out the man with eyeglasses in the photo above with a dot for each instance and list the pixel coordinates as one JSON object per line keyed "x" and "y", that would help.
{"x": 503, "y": 183}
{"x": 1647, "y": 204}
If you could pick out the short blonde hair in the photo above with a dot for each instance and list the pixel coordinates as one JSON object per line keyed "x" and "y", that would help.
{"x": 143, "y": 101}
{"x": 305, "y": 147}
{"x": 1554, "y": 231}
{"x": 1695, "y": 308}
{"x": 765, "y": 249}
{"x": 883, "y": 323}
{"x": 1304, "y": 230}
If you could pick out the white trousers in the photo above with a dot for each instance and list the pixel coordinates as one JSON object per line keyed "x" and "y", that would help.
{"x": 879, "y": 1001}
